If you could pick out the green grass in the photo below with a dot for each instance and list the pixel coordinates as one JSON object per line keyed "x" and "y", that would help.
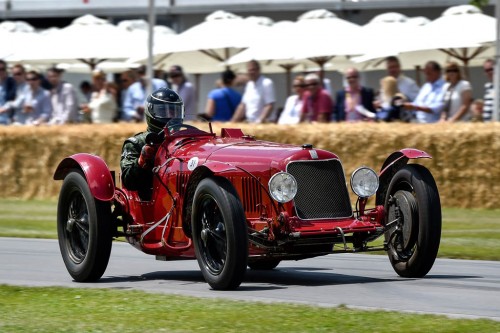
{"x": 94, "y": 310}
{"x": 467, "y": 233}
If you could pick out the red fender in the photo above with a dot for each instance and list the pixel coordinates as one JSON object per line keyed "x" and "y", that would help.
{"x": 96, "y": 172}
{"x": 392, "y": 164}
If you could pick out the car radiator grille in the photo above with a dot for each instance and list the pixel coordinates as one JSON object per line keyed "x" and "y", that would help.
{"x": 322, "y": 191}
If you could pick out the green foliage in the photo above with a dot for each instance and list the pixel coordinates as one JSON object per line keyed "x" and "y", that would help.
{"x": 479, "y": 3}
{"x": 54, "y": 310}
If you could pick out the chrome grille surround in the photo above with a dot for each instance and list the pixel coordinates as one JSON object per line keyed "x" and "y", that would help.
{"x": 322, "y": 190}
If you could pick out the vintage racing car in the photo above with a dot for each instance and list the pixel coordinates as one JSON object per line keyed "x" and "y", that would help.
{"x": 232, "y": 201}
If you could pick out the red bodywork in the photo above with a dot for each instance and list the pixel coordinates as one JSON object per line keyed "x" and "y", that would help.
{"x": 161, "y": 226}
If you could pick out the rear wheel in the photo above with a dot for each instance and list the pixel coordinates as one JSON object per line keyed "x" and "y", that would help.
{"x": 84, "y": 230}
{"x": 413, "y": 204}
{"x": 219, "y": 233}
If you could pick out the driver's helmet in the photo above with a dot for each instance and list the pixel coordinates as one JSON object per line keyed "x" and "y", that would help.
{"x": 163, "y": 106}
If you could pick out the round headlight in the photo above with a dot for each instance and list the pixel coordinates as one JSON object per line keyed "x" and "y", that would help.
{"x": 364, "y": 182}
{"x": 282, "y": 187}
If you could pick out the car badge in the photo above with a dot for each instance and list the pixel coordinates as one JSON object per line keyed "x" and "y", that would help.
{"x": 193, "y": 163}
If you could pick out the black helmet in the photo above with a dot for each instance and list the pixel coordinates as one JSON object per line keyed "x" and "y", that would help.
{"x": 162, "y": 106}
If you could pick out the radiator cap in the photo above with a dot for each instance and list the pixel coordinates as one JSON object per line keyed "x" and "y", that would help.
{"x": 307, "y": 146}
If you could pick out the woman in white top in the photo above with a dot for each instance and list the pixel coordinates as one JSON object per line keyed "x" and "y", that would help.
{"x": 102, "y": 105}
{"x": 457, "y": 96}
{"x": 293, "y": 104}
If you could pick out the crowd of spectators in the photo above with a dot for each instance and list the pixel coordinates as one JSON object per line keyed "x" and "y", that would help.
{"x": 33, "y": 98}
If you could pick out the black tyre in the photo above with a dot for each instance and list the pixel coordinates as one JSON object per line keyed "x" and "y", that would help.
{"x": 264, "y": 265}
{"x": 219, "y": 233}
{"x": 83, "y": 229}
{"x": 413, "y": 201}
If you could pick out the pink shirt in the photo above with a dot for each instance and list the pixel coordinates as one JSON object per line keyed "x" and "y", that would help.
{"x": 352, "y": 99}
{"x": 313, "y": 106}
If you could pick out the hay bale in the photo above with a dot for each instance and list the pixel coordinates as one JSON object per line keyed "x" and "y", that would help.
{"x": 465, "y": 156}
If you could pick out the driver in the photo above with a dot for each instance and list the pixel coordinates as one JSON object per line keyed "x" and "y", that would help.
{"x": 164, "y": 106}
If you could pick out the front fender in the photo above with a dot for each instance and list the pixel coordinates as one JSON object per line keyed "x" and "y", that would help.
{"x": 96, "y": 173}
{"x": 393, "y": 164}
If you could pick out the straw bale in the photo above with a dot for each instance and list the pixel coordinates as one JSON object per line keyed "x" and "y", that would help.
{"x": 466, "y": 157}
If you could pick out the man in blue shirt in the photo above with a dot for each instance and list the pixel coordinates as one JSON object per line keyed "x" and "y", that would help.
{"x": 222, "y": 102}
{"x": 430, "y": 99}
{"x": 133, "y": 104}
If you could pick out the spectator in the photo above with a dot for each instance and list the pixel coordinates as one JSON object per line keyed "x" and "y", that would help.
{"x": 457, "y": 96}
{"x": 293, "y": 105}
{"x": 429, "y": 102}
{"x": 63, "y": 98}
{"x": 390, "y": 101}
{"x": 19, "y": 75}
{"x": 185, "y": 89}
{"x": 7, "y": 93}
{"x": 354, "y": 102}
{"x": 258, "y": 99}
{"x": 37, "y": 106}
{"x": 102, "y": 106}
{"x": 317, "y": 104}
{"x": 489, "y": 104}
{"x": 477, "y": 111}
{"x": 223, "y": 101}
{"x": 406, "y": 85}
{"x": 127, "y": 78}
{"x": 135, "y": 97}
{"x": 86, "y": 90}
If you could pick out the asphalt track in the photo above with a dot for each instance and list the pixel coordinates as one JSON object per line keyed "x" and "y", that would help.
{"x": 456, "y": 288}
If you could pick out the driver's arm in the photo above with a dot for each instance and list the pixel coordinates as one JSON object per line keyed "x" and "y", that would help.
{"x": 133, "y": 176}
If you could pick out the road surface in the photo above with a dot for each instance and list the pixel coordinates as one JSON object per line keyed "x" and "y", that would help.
{"x": 456, "y": 288}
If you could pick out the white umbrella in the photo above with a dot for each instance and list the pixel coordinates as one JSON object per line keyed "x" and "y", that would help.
{"x": 317, "y": 37}
{"x": 462, "y": 33}
{"x": 205, "y": 47}
{"x": 12, "y": 42}
{"x": 88, "y": 39}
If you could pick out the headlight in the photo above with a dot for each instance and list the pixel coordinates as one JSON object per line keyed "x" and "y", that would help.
{"x": 283, "y": 187}
{"x": 364, "y": 182}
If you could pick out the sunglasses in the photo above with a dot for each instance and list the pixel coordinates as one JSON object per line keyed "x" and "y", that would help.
{"x": 17, "y": 73}
{"x": 311, "y": 84}
{"x": 452, "y": 71}
{"x": 488, "y": 70}
{"x": 354, "y": 77}
{"x": 299, "y": 85}
{"x": 32, "y": 79}
{"x": 174, "y": 75}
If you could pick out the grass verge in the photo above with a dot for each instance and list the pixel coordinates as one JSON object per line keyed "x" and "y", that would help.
{"x": 55, "y": 310}
{"x": 467, "y": 233}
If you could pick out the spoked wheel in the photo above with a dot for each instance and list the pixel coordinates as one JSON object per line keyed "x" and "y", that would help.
{"x": 219, "y": 233}
{"x": 264, "y": 265}
{"x": 84, "y": 230}
{"x": 414, "y": 207}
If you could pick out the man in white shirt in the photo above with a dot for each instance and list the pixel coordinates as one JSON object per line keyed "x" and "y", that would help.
{"x": 258, "y": 99}
{"x": 63, "y": 98}
{"x": 406, "y": 85}
{"x": 430, "y": 100}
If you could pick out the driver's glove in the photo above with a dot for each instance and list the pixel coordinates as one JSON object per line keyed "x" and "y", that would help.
{"x": 147, "y": 157}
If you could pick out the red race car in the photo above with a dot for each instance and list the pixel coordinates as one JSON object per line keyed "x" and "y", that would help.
{"x": 232, "y": 201}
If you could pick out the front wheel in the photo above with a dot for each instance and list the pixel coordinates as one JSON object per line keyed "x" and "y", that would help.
{"x": 414, "y": 207}
{"x": 219, "y": 233}
{"x": 83, "y": 229}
